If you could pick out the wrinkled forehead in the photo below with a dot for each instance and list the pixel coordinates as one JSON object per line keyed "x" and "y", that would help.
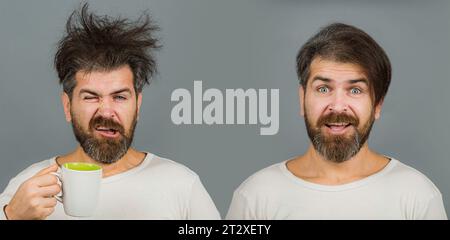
{"x": 336, "y": 72}
{"x": 105, "y": 80}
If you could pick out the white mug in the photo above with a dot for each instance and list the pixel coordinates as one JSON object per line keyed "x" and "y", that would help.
{"x": 80, "y": 188}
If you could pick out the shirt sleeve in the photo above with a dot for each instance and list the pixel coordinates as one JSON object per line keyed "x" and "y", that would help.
{"x": 434, "y": 209}
{"x": 201, "y": 206}
{"x": 15, "y": 183}
{"x": 240, "y": 208}
{"x": 7, "y": 195}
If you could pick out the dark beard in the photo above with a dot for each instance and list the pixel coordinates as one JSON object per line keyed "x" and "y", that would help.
{"x": 105, "y": 151}
{"x": 339, "y": 148}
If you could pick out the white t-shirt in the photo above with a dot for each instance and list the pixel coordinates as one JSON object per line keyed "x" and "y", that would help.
{"x": 396, "y": 192}
{"x": 156, "y": 189}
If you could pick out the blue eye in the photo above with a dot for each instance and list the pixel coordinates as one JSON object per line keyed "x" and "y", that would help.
{"x": 118, "y": 97}
{"x": 355, "y": 91}
{"x": 323, "y": 90}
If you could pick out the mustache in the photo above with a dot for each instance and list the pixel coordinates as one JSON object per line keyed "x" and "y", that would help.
{"x": 107, "y": 123}
{"x": 337, "y": 118}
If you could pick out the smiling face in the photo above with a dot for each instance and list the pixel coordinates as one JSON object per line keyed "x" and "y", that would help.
{"x": 338, "y": 108}
{"x": 103, "y": 110}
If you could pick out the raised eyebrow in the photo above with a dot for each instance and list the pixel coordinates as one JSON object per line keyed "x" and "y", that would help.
{"x": 363, "y": 80}
{"x": 320, "y": 78}
{"x": 352, "y": 81}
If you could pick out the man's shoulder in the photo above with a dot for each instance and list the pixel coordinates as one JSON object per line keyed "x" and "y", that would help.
{"x": 33, "y": 169}
{"x": 408, "y": 178}
{"x": 36, "y": 167}
{"x": 169, "y": 169}
{"x": 268, "y": 179}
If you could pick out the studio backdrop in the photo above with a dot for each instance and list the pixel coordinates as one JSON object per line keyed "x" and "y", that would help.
{"x": 232, "y": 44}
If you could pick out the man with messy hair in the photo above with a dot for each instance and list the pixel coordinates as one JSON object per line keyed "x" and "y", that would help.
{"x": 103, "y": 64}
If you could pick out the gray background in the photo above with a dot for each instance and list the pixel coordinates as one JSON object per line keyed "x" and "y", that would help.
{"x": 232, "y": 44}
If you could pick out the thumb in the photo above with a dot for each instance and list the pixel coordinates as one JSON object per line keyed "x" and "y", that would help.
{"x": 51, "y": 168}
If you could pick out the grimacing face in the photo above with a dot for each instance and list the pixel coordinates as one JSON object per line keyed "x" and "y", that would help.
{"x": 103, "y": 111}
{"x": 338, "y": 108}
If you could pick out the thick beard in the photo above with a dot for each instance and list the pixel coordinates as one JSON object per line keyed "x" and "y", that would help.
{"x": 105, "y": 151}
{"x": 340, "y": 148}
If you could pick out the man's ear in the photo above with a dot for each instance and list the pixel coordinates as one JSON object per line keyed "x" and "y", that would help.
{"x": 301, "y": 96}
{"x": 139, "y": 102}
{"x": 65, "y": 99}
{"x": 378, "y": 109}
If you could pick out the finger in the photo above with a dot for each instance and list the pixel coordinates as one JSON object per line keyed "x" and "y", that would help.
{"x": 45, "y": 212}
{"x": 46, "y": 180}
{"x": 51, "y": 168}
{"x": 49, "y": 191}
{"x": 49, "y": 202}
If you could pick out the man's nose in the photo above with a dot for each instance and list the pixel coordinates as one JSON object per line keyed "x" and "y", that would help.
{"x": 106, "y": 109}
{"x": 339, "y": 103}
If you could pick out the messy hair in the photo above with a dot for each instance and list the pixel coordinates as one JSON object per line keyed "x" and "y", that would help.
{"x": 102, "y": 43}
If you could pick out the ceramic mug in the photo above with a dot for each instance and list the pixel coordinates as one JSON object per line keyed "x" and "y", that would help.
{"x": 80, "y": 183}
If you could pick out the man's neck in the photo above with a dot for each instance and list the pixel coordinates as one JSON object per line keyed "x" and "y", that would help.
{"x": 130, "y": 160}
{"x": 315, "y": 168}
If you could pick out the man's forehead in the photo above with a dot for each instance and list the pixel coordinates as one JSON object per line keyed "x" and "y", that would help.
{"x": 333, "y": 71}
{"x": 105, "y": 80}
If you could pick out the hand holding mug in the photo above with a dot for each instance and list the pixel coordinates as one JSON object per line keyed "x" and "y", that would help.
{"x": 34, "y": 199}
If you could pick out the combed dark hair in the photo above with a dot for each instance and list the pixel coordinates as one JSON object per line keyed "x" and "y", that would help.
{"x": 347, "y": 44}
{"x": 103, "y": 43}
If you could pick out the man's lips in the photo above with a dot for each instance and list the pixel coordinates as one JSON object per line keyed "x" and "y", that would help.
{"x": 337, "y": 128}
{"x": 107, "y": 132}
